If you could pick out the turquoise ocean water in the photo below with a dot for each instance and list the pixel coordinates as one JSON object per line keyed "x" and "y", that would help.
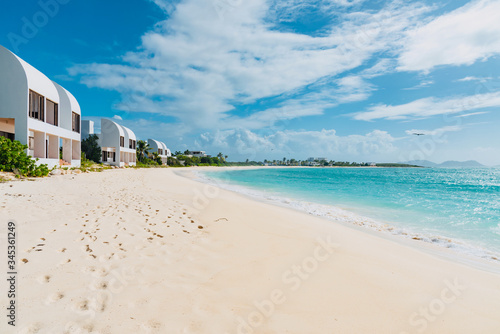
{"x": 459, "y": 208}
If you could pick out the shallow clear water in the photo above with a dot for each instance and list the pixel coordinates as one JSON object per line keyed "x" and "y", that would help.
{"x": 463, "y": 204}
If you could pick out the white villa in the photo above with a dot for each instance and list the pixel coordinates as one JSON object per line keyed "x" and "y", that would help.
{"x": 38, "y": 112}
{"x": 160, "y": 148}
{"x": 117, "y": 142}
{"x": 198, "y": 154}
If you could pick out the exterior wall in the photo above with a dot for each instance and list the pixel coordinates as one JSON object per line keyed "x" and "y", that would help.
{"x": 87, "y": 129}
{"x": 156, "y": 145}
{"x": 129, "y": 153}
{"x": 67, "y": 106}
{"x": 14, "y": 93}
{"x": 16, "y": 79}
{"x": 7, "y": 125}
{"x": 109, "y": 140}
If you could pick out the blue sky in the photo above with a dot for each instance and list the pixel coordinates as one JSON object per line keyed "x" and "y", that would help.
{"x": 264, "y": 79}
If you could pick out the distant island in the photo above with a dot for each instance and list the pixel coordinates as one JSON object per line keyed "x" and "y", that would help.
{"x": 200, "y": 158}
{"x": 448, "y": 164}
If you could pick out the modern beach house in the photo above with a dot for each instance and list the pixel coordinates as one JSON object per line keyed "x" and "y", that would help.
{"x": 38, "y": 112}
{"x": 198, "y": 154}
{"x": 160, "y": 148}
{"x": 118, "y": 143}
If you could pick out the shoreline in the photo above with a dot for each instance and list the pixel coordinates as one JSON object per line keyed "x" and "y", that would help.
{"x": 439, "y": 245}
{"x": 149, "y": 251}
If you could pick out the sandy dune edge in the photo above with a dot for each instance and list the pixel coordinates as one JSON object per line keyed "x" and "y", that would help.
{"x": 122, "y": 252}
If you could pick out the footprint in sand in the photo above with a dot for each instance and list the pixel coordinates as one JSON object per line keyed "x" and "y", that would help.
{"x": 82, "y": 305}
{"x": 99, "y": 285}
{"x": 54, "y": 298}
{"x": 44, "y": 279}
{"x": 99, "y": 302}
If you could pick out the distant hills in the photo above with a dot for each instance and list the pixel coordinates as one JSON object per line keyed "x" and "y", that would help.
{"x": 454, "y": 164}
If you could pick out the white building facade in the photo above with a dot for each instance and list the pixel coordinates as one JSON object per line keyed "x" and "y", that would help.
{"x": 160, "y": 148}
{"x": 118, "y": 143}
{"x": 38, "y": 112}
{"x": 198, "y": 154}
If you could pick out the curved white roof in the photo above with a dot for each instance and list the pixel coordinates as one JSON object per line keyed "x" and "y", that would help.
{"x": 152, "y": 142}
{"x": 75, "y": 106}
{"x": 130, "y": 133}
{"x": 38, "y": 82}
{"x": 118, "y": 126}
{"x": 159, "y": 145}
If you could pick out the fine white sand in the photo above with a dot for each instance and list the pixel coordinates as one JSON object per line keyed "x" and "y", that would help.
{"x": 148, "y": 251}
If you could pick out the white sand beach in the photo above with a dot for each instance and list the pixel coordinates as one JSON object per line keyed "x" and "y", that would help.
{"x": 149, "y": 251}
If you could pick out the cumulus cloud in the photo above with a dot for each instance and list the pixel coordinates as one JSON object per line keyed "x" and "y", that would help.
{"x": 245, "y": 143}
{"x": 427, "y": 107}
{"x": 208, "y": 58}
{"x": 461, "y": 37}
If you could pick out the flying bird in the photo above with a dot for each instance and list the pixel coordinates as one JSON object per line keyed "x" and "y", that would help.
{"x": 418, "y": 134}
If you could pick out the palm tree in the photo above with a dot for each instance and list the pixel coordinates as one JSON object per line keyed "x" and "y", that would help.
{"x": 142, "y": 149}
{"x": 221, "y": 157}
{"x": 156, "y": 157}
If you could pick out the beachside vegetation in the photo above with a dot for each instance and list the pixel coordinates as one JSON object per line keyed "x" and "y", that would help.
{"x": 142, "y": 149}
{"x": 13, "y": 158}
{"x": 188, "y": 160}
{"x": 91, "y": 148}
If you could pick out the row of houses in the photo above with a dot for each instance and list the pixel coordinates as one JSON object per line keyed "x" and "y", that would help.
{"x": 118, "y": 143}
{"x": 43, "y": 115}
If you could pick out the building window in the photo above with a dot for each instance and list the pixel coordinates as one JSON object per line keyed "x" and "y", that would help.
{"x": 122, "y": 141}
{"x": 31, "y": 142}
{"x": 75, "y": 122}
{"x": 36, "y": 106}
{"x": 160, "y": 151}
{"x": 104, "y": 156}
{"x": 131, "y": 144}
{"x": 52, "y": 113}
{"x": 7, "y": 135}
{"x": 114, "y": 156}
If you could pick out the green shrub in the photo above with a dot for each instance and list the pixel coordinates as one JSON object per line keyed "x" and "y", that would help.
{"x": 13, "y": 158}
{"x": 91, "y": 149}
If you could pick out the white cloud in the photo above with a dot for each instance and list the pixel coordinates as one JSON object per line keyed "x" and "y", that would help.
{"x": 435, "y": 132}
{"x": 201, "y": 63}
{"x": 462, "y": 37}
{"x": 472, "y": 78}
{"x": 242, "y": 143}
{"x": 292, "y": 10}
{"x": 473, "y": 114}
{"x": 427, "y": 107}
{"x": 383, "y": 66}
{"x": 424, "y": 83}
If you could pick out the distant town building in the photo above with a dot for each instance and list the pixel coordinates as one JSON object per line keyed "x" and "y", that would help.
{"x": 312, "y": 159}
{"x": 198, "y": 154}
